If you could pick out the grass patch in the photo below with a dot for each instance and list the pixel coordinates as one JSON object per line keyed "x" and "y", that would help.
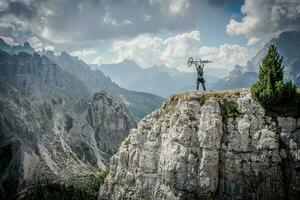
{"x": 218, "y": 95}
{"x": 173, "y": 100}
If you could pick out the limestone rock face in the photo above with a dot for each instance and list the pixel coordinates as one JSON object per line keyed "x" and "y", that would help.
{"x": 208, "y": 146}
{"x": 51, "y": 126}
{"x": 111, "y": 123}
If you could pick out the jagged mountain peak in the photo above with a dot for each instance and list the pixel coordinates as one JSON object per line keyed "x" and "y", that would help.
{"x": 3, "y": 43}
{"x": 129, "y": 62}
{"x": 64, "y": 54}
{"x": 26, "y": 47}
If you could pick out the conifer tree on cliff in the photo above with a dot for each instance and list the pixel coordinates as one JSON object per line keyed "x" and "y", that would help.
{"x": 270, "y": 88}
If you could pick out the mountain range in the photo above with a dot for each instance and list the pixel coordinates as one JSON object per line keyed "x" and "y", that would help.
{"x": 54, "y": 124}
{"x": 288, "y": 46}
{"x": 51, "y": 126}
{"x": 159, "y": 79}
{"x": 59, "y": 119}
{"x": 139, "y": 103}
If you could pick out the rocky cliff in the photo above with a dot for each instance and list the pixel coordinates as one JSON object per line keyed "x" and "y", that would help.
{"x": 216, "y": 145}
{"x": 51, "y": 126}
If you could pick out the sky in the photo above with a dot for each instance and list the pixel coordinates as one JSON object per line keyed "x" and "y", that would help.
{"x": 150, "y": 32}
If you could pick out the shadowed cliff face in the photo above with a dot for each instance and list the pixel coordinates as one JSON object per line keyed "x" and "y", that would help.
{"x": 51, "y": 126}
{"x": 218, "y": 145}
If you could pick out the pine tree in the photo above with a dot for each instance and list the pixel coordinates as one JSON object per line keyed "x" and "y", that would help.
{"x": 270, "y": 88}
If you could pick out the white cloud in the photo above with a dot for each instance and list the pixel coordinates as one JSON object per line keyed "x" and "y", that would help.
{"x": 84, "y": 53}
{"x": 179, "y": 6}
{"x": 242, "y": 28}
{"x": 51, "y": 35}
{"x": 180, "y": 47}
{"x": 38, "y": 45}
{"x": 253, "y": 40}
{"x": 231, "y": 55}
{"x": 108, "y": 19}
{"x": 98, "y": 60}
{"x": 67, "y": 23}
{"x": 173, "y": 51}
{"x": 175, "y": 7}
{"x": 265, "y": 19}
{"x": 3, "y": 5}
{"x": 144, "y": 49}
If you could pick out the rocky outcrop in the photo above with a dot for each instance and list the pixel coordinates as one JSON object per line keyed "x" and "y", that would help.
{"x": 51, "y": 127}
{"x": 111, "y": 123}
{"x": 216, "y": 145}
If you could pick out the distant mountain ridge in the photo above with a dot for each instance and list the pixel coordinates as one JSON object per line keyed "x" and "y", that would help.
{"x": 159, "y": 79}
{"x": 138, "y": 103}
{"x": 288, "y": 46}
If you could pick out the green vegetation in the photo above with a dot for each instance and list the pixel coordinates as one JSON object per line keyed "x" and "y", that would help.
{"x": 287, "y": 109}
{"x": 68, "y": 123}
{"x": 218, "y": 95}
{"x": 228, "y": 109}
{"x": 101, "y": 177}
{"x": 222, "y": 96}
{"x": 82, "y": 188}
{"x": 270, "y": 90}
{"x": 54, "y": 190}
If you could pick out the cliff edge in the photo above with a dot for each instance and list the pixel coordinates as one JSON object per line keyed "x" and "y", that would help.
{"x": 213, "y": 145}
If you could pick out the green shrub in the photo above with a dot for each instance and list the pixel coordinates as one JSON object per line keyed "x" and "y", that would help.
{"x": 270, "y": 89}
{"x": 68, "y": 123}
{"x": 51, "y": 190}
{"x": 101, "y": 177}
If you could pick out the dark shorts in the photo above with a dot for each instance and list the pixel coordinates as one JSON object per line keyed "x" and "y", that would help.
{"x": 201, "y": 80}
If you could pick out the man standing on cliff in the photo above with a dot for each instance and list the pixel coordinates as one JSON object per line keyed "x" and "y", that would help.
{"x": 199, "y": 64}
{"x": 200, "y": 78}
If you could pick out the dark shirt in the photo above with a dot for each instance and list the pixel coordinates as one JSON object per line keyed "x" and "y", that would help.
{"x": 199, "y": 71}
